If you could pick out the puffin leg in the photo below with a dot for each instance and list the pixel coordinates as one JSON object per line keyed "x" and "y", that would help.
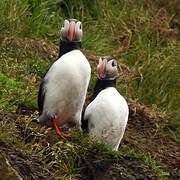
{"x": 58, "y": 130}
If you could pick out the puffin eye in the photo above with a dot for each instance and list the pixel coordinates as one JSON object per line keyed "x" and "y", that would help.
{"x": 113, "y": 63}
{"x": 80, "y": 26}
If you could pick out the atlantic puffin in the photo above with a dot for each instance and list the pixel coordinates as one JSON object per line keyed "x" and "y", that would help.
{"x": 63, "y": 90}
{"x": 106, "y": 116}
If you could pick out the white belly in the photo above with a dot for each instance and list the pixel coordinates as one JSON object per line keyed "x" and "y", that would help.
{"x": 107, "y": 117}
{"x": 67, "y": 83}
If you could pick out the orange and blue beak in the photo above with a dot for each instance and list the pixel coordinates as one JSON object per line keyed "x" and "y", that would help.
{"x": 70, "y": 32}
{"x": 102, "y": 69}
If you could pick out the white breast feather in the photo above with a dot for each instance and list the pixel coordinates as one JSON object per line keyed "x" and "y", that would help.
{"x": 67, "y": 83}
{"x": 107, "y": 117}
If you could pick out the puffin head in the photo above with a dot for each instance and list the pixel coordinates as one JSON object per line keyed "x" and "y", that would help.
{"x": 71, "y": 31}
{"x": 107, "y": 68}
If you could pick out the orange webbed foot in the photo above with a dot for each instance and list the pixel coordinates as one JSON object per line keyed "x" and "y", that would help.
{"x": 58, "y": 130}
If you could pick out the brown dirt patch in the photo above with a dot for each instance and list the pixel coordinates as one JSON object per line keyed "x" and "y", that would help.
{"x": 143, "y": 133}
{"x": 26, "y": 165}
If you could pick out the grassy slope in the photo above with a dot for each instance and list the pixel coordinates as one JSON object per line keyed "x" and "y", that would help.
{"x": 143, "y": 36}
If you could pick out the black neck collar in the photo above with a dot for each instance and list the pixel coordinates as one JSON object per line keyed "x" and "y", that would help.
{"x": 102, "y": 84}
{"x": 66, "y": 47}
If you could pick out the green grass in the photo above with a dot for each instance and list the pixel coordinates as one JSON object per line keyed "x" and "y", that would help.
{"x": 141, "y": 35}
{"x": 64, "y": 157}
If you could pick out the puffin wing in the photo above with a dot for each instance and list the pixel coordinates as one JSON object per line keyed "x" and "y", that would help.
{"x": 41, "y": 96}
